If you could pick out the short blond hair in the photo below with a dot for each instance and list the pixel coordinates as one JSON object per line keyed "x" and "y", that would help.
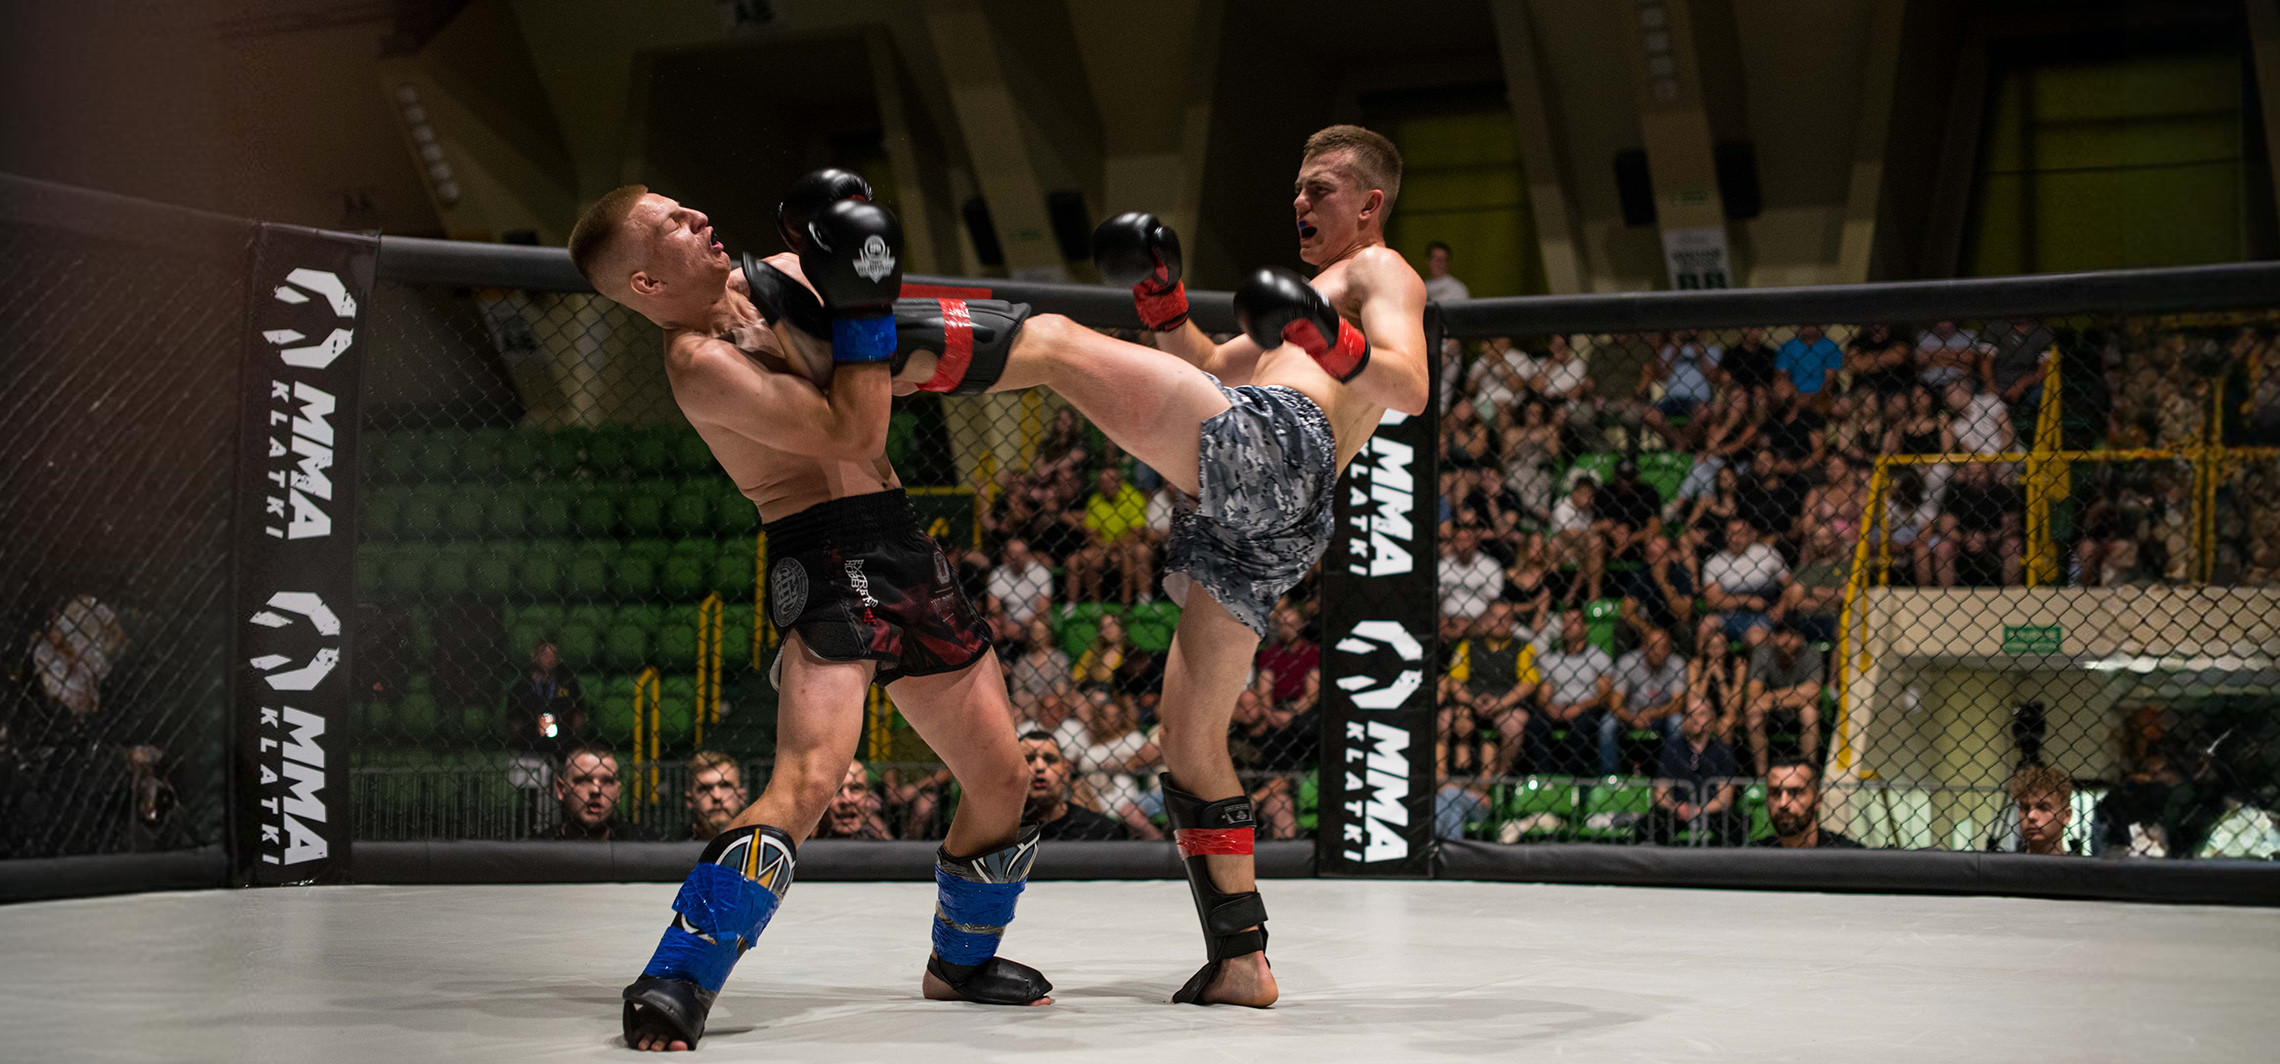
{"x": 706, "y": 760}
{"x": 2041, "y": 779}
{"x": 598, "y": 230}
{"x": 1374, "y": 161}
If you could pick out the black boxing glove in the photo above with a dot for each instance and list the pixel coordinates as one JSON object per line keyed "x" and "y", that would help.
{"x": 1276, "y": 306}
{"x": 1137, "y": 249}
{"x": 853, "y": 257}
{"x": 781, "y": 300}
{"x": 808, "y": 197}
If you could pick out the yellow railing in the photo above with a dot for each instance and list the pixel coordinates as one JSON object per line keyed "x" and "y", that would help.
{"x": 648, "y": 704}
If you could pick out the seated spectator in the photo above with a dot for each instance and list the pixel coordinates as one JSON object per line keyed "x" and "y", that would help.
{"x": 586, "y": 788}
{"x": 1650, "y": 693}
{"x": 1786, "y": 678}
{"x": 1629, "y": 512}
{"x": 1722, "y": 677}
{"x": 1980, "y": 423}
{"x": 1660, "y": 594}
{"x": 1499, "y": 377}
{"x": 1021, "y": 585}
{"x": 1047, "y": 804}
{"x": 1793, "y": 804}
{"x": 1491, "y": 681}
{"x": 1858, "y": 424}
{"x": 715, "y": 794}
{"x": 1751, "y": 363}
{"x": 1685, "y": 367}
{"x": 1576, "y": 539}
{"x": 1579, "y": 681}
{"x": 1816, "y": 591}
{"x": 546, "y": 708}
{"x": 1979, "y": 540}
{"x": 1042, "y": 668}
{"x": 1439, "y": 286}
{"x": 1836, "y": 504}
{"x": 1469, "y": 580}
{"x": 1793, "y": 433}
{"x": 1706, "y": 517}
{"x": 855, "y": 811}
{"x": 1946, "y": 354}
{"x": 2045, "y": 800}
{"x": 1882, "y": 362}
{"x": 1741, "y": 584}
{"x": 1772, "y": 501}
{"x": 1530, "y": 585}
{"x": 1730, "y": 428}
{"x": 1465, "y": 440}
{"x": 1284, "y": 662}
{"x": 1565, "y": 381}
{"x": 2015, "y": 366}
{"x": 1696, "y": 784}
{"x": 1112, "y": 662}
{"x": 1114, "y": 519}
{"x": 1810, "y": 361}
{"x": 1530, "y": 444}
{"x": 1499, "y": 511}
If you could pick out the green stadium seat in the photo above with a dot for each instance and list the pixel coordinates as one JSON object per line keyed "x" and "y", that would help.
{"x": 590, "y": 615}
{"x": 615, "y": 716}
{"x": 642, "y": 509}
{"x": 594, "y": 513}
{"x": 466, "y": 514}
{"x": 652, "y": 550}
{"x": 580, "y": 646}
{"x": 1534, "y": 803}
{"x": 733, "y": 514}
{"x": 540, "y": 568}
{"x": 588, "y": 575}
{"x": 606, "y": 451}
{"x": 439, "y": 455}
{"x": 732, "y": 570}
{"x": 633, "y": 577}
{"x": 548, "y": 514}
{"x": 397, "y": 456}
{"x": 417, "y": 717}
{"x": 482, "y": 725}
{"x": 677, "y": 707}
{"x": 625, "y": 647}
{"x": 494, "y": 574}
{"x": 688, "y": 512}
{"x": 1611, "y": 808}
{"x": 1598, "y": 466}
{"x": 479, "y": 454}
{"x": 519, "y": 454}
{"x": 647, "y": 618}
{"x": 375, "y": 721}
{"x": 509, "y": 511}
{"x": 544, "y": 615}
{"x": 650, "y": 451}
{"x": 449, "y": 569}
{"x": 692, "y": 455}
{"x": 683, "y": 577}
{"x": 677, "y": 640}
{"x": 559, "y": 451}
{"x": 404, "y": 571}
{"x": 524, "y": 636}
{"x": 372, "y": 571}
{"x": 422, "y": 513}
{"x": 1600, "y": 619}
{"x": 380, "y": 511}
{"x": 1150, "y": 625}
{"x": 1309, "y": 804}
{"x": 1665, "y": 471}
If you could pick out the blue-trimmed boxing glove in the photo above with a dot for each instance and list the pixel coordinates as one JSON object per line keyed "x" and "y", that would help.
{"x": 853, "y": 258}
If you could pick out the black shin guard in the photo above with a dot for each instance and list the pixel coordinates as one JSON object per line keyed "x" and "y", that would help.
{"x": 1202, "y": 829}
{"x": 973, "y": 338}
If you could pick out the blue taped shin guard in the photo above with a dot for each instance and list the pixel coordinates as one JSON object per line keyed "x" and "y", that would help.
{"x": 723, "y": 906}
{"x": 975, "y": 903}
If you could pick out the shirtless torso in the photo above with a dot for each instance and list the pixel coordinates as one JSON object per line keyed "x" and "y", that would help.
{"x": 1373, "y": 288}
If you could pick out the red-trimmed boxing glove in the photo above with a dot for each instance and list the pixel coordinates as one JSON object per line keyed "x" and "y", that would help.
{"x": 1138, "y": 250}
{"x": 1276, "y": 306}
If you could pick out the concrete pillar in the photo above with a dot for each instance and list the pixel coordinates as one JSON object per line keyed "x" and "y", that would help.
{"x": 2264, "y": 41}
{"x": 1151, "y": 82}
{"x": 1674, "y": 124}
{"x": 1879, "y": 80}
{"x": 1535, "y": 121}
{"x": 990, "y": 120}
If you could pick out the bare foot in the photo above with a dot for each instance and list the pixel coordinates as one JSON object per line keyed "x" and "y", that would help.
{"x": 654, "y": 1037}
{"x": 937, "y": 990}
{"x": 1244, "y": 980}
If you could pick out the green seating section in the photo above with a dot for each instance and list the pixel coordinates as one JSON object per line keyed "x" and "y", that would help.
{"x": 1148, "y": 625}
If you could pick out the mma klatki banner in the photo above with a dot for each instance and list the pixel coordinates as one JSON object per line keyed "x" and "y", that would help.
{"x": 1379, "y": 622}
{"x": 294, "y": 531}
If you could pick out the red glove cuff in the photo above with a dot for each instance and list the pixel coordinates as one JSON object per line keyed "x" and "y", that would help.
{"x": 1160, "y": 309}
{"x": 957, "y": 347}
{"x": 1342, "y": 359}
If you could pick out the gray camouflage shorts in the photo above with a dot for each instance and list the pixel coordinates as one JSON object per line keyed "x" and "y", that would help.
{"x": 1264, "y": 516}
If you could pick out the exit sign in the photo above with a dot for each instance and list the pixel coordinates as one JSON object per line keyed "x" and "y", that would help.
{"x": 2031, "y": 639}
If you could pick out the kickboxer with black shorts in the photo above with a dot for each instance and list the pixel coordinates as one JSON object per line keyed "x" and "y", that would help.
{"x": 860, "y": 591}
{"x": 1253, "y": 432}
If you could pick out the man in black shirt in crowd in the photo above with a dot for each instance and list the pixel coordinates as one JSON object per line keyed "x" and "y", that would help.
{"x": 1048, "y": 803}
{"x": 1749, "y": 365}
{"x": 1793, "y": 803}
{"x": 1695, "y": 784}
{"x": 1796, "y": 435}
{"x": 546, "y": 708}
{"x": 586, "y": 786}
{"x": 1631, "y": 510}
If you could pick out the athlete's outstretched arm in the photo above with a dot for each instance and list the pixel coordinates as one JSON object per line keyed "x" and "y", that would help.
{"x": 717, "y": 385}
{"x": 1393, "y": 317}
{"x": 1232, "y": 362}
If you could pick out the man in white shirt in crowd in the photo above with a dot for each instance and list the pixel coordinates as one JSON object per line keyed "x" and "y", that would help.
{"x": 1470, "y": 579}
{"x": 1576, "y": 538}
{"x": 1946, "y": 354}
{"x": 1439, "y": 286}
{"x": 1579, "y": 680}
{"x": 1741, "y": 585}
{"x": 1499, "y": 377}
{"x": 1021, "y": 585}
{"x": 1650, "y": 685}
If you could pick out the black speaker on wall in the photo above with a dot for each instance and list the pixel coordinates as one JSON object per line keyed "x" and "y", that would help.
{"x": 1634, "y": 187}
{"x": 1072, "y": 225}
{"x": 1736, "y": 163}
{"x": 982, "y": 232}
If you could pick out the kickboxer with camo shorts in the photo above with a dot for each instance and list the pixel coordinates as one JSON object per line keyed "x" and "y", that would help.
{"x": 861, "y": 593}
{"x": 1253, "y": 432}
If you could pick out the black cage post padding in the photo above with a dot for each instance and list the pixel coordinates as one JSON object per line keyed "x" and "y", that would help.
{"x": 820, "y": 861}
{"x": 45, "y": 878}
{"x": 2227, "y": 287}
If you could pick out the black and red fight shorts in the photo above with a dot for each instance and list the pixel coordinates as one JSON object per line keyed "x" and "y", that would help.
{"x": 858, "y": 579}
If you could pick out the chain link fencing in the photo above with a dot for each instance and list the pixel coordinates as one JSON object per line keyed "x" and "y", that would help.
{"x": 2004, "y": 584}
{"x": 114, "y": 523}
{"x": 552, "y": 559}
